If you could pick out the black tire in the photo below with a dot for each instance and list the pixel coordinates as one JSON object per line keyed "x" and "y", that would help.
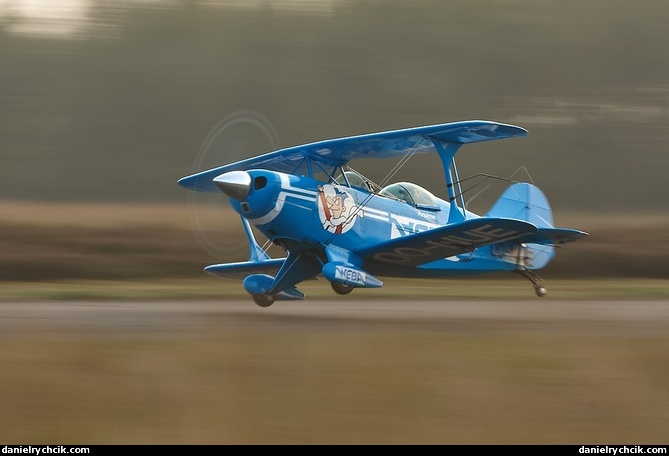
{"x": 341, "y": 288}
{"x": 263, "y": 300}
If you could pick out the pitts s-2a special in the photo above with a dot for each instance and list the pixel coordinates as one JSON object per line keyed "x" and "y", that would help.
{"x": 335, "y": 223}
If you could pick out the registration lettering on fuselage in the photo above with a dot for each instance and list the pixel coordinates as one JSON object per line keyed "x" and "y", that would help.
{"x": 350, "y": 275}
{"x": 403, "y": 226}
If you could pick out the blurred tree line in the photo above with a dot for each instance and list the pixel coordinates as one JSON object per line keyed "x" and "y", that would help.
{"x": 125, "y": 104}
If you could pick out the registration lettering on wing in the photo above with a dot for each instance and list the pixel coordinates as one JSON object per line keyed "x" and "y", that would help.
{"x": 446, "y": 245}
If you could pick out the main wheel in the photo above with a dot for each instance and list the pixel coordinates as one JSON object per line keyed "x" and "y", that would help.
{"x": 341, "y": 288}
{"x": 540, "y": 291}
{"x": 263, "y": 300}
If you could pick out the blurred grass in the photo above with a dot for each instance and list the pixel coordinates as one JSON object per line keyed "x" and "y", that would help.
{"x": 134, "y": 251}
{"x": 394, "y": 288}
{"x": 298, "y": 382}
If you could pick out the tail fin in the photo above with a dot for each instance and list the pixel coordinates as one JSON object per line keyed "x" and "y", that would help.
{"x": 524, "y": 201}
{"x": 527, "y": 202}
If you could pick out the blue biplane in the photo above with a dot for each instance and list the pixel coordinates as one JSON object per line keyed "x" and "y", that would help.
{"x": 333, "y": 222}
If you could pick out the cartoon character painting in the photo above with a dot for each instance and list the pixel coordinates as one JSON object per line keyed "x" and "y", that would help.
{"x": 336, "y": 208}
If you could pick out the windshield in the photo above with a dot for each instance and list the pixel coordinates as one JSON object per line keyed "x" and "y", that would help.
{"x": 354, "y": 179}
{"x": 357, "y": 180}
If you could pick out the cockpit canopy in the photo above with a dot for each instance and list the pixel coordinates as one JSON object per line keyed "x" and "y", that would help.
{"x": 411, "y": 193}
{"x": 408, "y": 192}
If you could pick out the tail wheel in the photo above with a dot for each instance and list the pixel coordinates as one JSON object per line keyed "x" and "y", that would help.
{"x": 263, "y": 300}
{"x": 341, "y": 288}
{"x": 529, "y": 275}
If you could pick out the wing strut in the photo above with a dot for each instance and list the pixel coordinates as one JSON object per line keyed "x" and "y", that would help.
{"x": 256, "y": 253}
{"x": 447, "y": 155}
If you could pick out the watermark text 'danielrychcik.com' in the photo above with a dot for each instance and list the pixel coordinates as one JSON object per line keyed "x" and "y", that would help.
{"x": 38, "y": 450}
{"x": 619, "y": 450}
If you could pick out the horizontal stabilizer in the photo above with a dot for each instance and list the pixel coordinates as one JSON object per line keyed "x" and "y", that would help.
{"x": 553, "y": 236}
{"x": 244, "y": 268}
{"x": 447, "y": 241}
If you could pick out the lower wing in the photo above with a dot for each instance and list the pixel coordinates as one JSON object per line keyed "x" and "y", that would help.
{"x": 447, "y": 241}
{"x": 244, "y": 268}
{"x": 553, "y": 236}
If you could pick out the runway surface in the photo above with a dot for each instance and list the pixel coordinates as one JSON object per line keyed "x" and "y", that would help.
{"x": 152, "y": 316}
{"x": 338, "y": 371}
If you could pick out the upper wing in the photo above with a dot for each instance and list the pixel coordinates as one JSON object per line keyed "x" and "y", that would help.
{"x": 447, "y": 241}
{"x": 388, "y": 144}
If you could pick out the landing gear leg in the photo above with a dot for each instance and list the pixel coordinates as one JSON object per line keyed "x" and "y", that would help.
{"x": 536, "y": 281}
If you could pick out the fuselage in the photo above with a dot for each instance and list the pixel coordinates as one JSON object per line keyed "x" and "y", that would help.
{"x": 302, "y": 213}
{"x": 313, "y": 213}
